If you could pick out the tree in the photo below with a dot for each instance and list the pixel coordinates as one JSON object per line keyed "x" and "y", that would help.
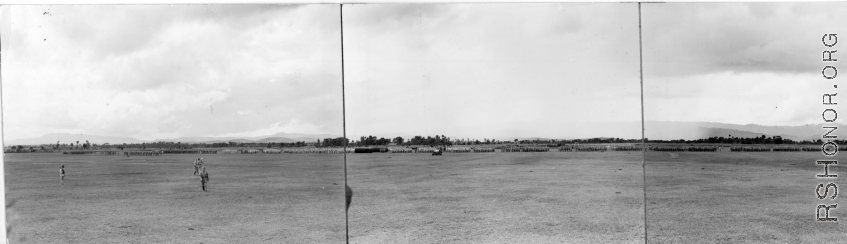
{"x": 516, "y": 140}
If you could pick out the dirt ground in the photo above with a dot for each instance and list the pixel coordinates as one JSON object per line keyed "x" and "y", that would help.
{"x": 550, "y": 197}
{"x": 399, "y": 198}
{"x": 740, "y": 197}
{"x": 271, "y": 198}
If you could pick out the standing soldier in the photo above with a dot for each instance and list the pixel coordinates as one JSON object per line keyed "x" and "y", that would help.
{"x": 62, "y": 174}
{"x": 204, "y": 178}
{"x": 196, "y": 166}
{"x": 348, "y": 195}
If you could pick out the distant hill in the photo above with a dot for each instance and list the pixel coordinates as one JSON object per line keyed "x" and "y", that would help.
{"x": 547, "y": 139}
{"x": 97, "y": 139}
{"x": 278, "y": 137}
{"x": 669, "y": 130}
{"x": 65, "y": 138}
{"x": 719, "y": 132}
{"x": 661, "y": 130}
{"x": 524, "y": 138}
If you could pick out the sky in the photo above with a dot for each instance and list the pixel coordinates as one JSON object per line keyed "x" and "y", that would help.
{"x": 492, "y": 70}
{"x": 568, "y": 70}
{"x": 739, "y": 63}
{"x": 157, "y": 71}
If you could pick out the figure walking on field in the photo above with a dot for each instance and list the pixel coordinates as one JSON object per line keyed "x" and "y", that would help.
{"x": 62, "y": 174}
{"x": 197, "y": 166}
{"x": 204, "y": 178}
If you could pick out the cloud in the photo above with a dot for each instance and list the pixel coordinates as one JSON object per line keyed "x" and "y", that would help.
{"x": 118, "y": 30}
{"x": 683, "y": 39}
{"x": 737, "y": 63}
{"x": 292, "y": 125}
{"x": 169, "y": 71}
{"x": 760, "y": 98}
{"x": 485, "y": 70}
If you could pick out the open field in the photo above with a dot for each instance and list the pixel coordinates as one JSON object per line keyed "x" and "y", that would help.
{"x": 546, "y": 197}
{"x": 532, "y": 197}
{"x": 291, "y": 198}
{"x": 257, "y": 198}
{"x": 740, "y": 197}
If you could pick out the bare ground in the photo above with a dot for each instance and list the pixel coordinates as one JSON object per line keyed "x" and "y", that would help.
{"x": 739, "y": 197}
{"x": 114, "y": 199}
{"x": 551, "y": 197}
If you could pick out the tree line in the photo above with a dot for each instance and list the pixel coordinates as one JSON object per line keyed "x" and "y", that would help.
{"x": 777, "y": 140}
{"x": 442, "y": 140}
{"x": 437, "y": 140}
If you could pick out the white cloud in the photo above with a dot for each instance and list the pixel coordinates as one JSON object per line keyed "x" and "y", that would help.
{"x": 490, "y": 70}
{"x": 737, "y": 62}
{"x": 739, "y": 98}
{"x": 293, "y": 126}
{"x": 114, "y": 70}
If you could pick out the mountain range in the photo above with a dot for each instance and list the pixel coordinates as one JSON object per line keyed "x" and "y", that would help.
{"x": 667, "y": 130}
{"x": 278, "y": 137}
{"x": 98, "y": 139}
{"x": 663, "y": 130}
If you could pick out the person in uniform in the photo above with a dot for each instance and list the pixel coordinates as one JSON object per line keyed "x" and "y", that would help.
{"x": 62, "y": 174}
{"x": 204, "y": 178}
{"x": 197, "y": 166}
{"x": 348, "y": 196}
